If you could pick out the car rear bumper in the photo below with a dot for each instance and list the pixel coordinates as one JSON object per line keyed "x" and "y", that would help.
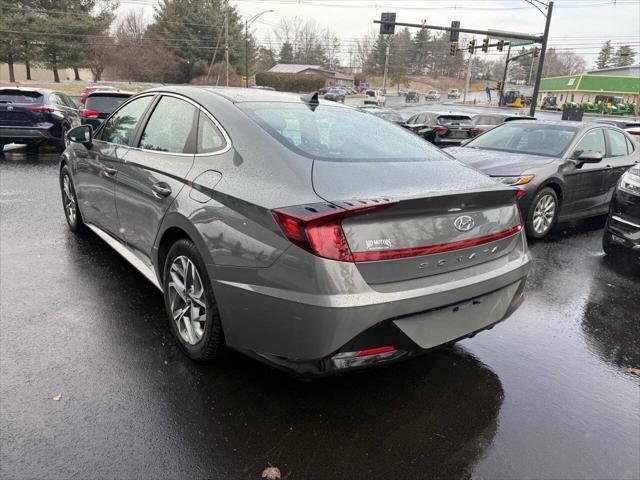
{"x": 10, "y": 134}
{"x": 306, "y": 332}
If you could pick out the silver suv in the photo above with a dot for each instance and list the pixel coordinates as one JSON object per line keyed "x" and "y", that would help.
{"x": 304, "y": 233}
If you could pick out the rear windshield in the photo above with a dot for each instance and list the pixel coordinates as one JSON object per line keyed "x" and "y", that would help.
{"x": 17, "y": 96}
{"x": 454, "y": 120}
{"x": 339, "y": 134}
{"x": 526, "y": 137}
{"x": 105, "y": 103}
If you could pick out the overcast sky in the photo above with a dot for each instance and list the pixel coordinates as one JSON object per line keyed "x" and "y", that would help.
{"x": 581, "y": 25}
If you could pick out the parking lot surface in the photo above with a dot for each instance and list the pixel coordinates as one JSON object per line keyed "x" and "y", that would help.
{"x": 544, "y": 395}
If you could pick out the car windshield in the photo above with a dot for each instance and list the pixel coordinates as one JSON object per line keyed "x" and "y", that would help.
{"x": 339, "y": 134}
{"x": 105, "y": 103}
{"x": 526, "y": 137}
{"x": 17, "y": 96}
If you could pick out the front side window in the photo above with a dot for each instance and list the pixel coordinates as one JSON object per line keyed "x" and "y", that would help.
{"x": 339, "y": 134}
{"x": 617, "y": 143}
{"x": 170, "y": 127}
{"x": 526, "y": 137}
{"x": 119, "y": 128}
{"x": 592, "y": 141}
{"x": 209, "y": 137}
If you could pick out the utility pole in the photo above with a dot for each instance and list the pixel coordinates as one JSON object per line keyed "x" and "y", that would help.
{"x": 504, "y": 77}
{"x": 543, "y": 50}
{"x": 246, "y": 53}
{"x": 466, "y": 85}
{"x": 386, "y": 67}
{"x": 226, "y": 45}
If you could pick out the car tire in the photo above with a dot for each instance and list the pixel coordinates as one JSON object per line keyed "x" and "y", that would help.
{"x": 542, "y": 214}
{"x": 609, "y": 247}
{"x": 62, "y": 144}
{"x": 200, "y": 339}
{"x": 70, "y": 201}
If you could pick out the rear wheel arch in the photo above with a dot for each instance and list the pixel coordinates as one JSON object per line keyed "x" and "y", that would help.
{"x": 175, "y": 227}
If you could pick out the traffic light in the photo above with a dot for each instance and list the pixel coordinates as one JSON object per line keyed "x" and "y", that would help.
{"x": 485, "y": 45}
{"x": 455, "y": 33}
{"x": 388, "y": 28}
{"x": 454, "y": 49}
{"x": 472, "y": 46}
{"x": 500, "y": 45}
{"x": 536, "y": 52}
{"x": 499, "y": 85}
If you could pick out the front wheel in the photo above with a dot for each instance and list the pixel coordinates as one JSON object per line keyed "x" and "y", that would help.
{"x": 190, "y": 303}
{"x": 543, "y": 213}
{"x": 70, "y": 201}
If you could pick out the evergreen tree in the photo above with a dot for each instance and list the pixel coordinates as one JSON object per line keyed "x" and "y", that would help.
{"x": 286, "y": 53}
{"x": 420, "y": 54}
{"x": 605, "y": 56}
{"x": 624, "y": 56}
{"x": 191, "y": 29}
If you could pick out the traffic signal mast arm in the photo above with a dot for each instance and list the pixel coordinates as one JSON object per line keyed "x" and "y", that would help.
{"x": 488, "y": 33}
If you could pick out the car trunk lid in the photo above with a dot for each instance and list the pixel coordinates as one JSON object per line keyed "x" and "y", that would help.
{"x": 447, "y": 216}
{"x": 21, "y": 108}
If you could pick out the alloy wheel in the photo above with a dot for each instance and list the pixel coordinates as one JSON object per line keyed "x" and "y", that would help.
{"x": 70, "y": 206}
{"x": 187, "y": 300}
{"x": 544, "y": 214}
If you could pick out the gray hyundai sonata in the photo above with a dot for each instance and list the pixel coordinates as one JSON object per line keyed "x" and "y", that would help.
{"x": 306, "y": 234}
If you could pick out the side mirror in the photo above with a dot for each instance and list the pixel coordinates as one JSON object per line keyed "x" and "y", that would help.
{"x": 82, "y": 134}
{"x": 589, "y": 156}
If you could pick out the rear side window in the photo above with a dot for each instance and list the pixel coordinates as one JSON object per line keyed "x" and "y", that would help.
{"x": 104, "y": 103}
{"x": 170, "y": 127}
{"x": 339, "y": 134}
{"x": 617, "y": 143}
{"x": 454, "y": 120}
{"x": 630, "y": 147}
{"x": 17, "y": 96}
{"x": 119, "y": 128}
{"x": 592, "y": 141}
{"x": 210, "y": 138}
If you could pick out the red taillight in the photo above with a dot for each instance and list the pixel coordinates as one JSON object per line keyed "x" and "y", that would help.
{"x": 39, "y": 109}
{"x": 320, "y": 233}
{"x": 89, "y": 113}
{"x": 375, "y": 351}
{"x": 444, "y": 247}
{"x": 475, "y": 131}
{"x": 439, "y": 129}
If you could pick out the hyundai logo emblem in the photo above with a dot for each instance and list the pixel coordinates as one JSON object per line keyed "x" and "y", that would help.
{"x": 464, "y": 223}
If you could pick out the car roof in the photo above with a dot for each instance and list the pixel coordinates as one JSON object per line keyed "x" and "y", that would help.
{"x": 110, "y": 93}
{"x": 238, "y": 95}
{"x": 23, "y": 89}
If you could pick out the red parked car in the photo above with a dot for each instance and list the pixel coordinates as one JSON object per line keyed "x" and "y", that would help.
{"x": 89, "y": 90}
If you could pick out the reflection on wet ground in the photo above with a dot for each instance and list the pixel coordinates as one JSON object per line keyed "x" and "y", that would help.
{"x": 545, "y": 394}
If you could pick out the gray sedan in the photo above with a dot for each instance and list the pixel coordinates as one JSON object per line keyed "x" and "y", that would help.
{"x": 301, "y": 232}
{"x": 565, "y": 170}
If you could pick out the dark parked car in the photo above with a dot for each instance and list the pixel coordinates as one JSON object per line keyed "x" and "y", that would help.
{"x": 412, "y": 97}
{"x": 565, "y": 170}
{"x": 335, "y": 95}
{"x": 36, "y": 116}
{"x": 301, "y": 232}
{"x": 442, "y": 129}
{"x": 622, "y": 231}
{"x": 386, "y": 114}
{"x": 99, "y": 106}
{"x": 89, "y": 90}
{"x": 486, "y": 121}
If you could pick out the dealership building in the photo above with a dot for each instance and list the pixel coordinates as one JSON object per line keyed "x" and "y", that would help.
{"x": 617, "y": 81}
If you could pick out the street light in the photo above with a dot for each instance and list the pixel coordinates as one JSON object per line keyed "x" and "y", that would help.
{"x": 246, "y": 43}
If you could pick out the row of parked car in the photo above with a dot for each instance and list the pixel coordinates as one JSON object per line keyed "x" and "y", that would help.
{"x": 563, "y": 170}
{"x": 318, "y": 238}
{"x": 35, "y": 117}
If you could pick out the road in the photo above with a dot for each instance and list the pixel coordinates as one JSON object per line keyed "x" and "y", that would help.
{"x": 544, "y": 395}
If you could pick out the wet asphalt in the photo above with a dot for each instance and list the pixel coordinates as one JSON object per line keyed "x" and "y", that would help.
{"x": 544, "y": 395}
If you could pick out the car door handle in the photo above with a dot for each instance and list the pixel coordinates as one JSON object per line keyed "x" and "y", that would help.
{"x": 109, "y": 172}
{"x": 161, "y": 189}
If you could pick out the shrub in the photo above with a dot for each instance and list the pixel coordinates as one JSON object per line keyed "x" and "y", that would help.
{"x": 290, "y": 82}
